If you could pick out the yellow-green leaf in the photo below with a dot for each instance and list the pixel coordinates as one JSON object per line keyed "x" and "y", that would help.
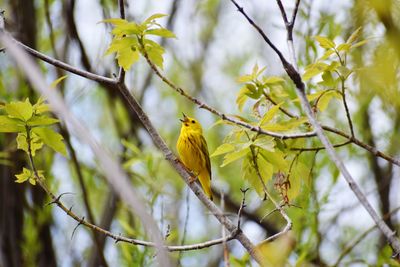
{"x": 35, "y": 144}
{"x": 245, "y": 78}
{"x": 52, "y": 139}
{"x": 20, "y": 110}
{"x": 154, "y": 16}
{"x": 40, "y": 106}
{"x": 276, "y": 253}
{"x": 9, "y": 125}
{"x": 325, "y": 99}
{"x": 161, "y": 32}
{"x": 241, "y": 98}
{"x": 273, "y": 80}
{"x": 231, "y": 157}
{"x": 354, "y": 36}
{"x": 223, "y": 149}
{"x": 265, "y": 142}
{"x": 325, "y": 42}
{"x": 277, "y": 160}
{"x": 116, "y": 21}
{"x": 344, "y": 47}
{"x": 126, "y": 57}
{"x": 41, "y": 121}
{"x": 56, "y": 82}
{"x": 24, "y": 175}
{"x": 270, "y": 114}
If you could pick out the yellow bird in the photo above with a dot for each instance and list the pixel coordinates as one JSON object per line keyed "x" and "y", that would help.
{"x": 193, "y": 151}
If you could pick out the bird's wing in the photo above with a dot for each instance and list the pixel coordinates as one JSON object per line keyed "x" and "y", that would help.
{"x": 204, "y": 148}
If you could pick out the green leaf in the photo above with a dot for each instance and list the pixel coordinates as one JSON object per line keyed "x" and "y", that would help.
{"x": 252, "y": 91}
{"x": 277, "y": 160}
{"x": 344, "y": 71}
{"x": 327, "y": 54}
{"x": 325, "y": 99}
{"x": 265, "y": 142}
{"x": 127, "y": 30}
{"x": 241, "y": 98}
{"x": 270, "y": 114}
{"x": 354, "y": 36}
{"x": 327, "y": 79}
{"x": 245, "y": 78}
{"x": 126, "y": 57}
{"x": 40, "y": 106}
{"x": 20, "y": 110}
{"x": 223, "y": 149}
{"x": 344, "y": 47}
{"x": 41, "y": 121}
{"x": 313, "y": 70}
{"x": 155, "y": 52}
{"x": 115, "y": 22}
{"x": 298, "y": 175}
{"x": 131, "y": 146}
{"x": 22, "y": 143}
{"x": 231, "y": 157}
{"x": 9, "y": 125}
{"x": 325, "y": 42}
{"x": 273, "y": 80}
{"x": 153, "y": 17}
{"x": 360, "y": 43}
{"x": 24, "y": 175}
{"x": 56, "y": 82}
{"x": 118, "y": 44}
{"x": 52, "y": 139}
{"x": 161, "y": 32}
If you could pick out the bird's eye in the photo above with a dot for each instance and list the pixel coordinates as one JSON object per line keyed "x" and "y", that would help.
{"x": 193, "y": 121}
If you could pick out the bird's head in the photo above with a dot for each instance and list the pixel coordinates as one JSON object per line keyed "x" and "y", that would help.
{"x": 190, "y": 124}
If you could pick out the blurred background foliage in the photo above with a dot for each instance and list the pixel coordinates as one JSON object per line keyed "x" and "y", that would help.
{"x": 214, "y": 47}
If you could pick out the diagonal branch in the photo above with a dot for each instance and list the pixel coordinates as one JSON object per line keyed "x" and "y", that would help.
{"x": 300, "y": 90}
{"x": 112, "y": 82}
{"x": 218, "y": 113}
{"x": 114, "y": 174}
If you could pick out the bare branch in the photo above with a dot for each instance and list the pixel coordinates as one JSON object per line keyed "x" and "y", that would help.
{"x": 65, "y": 66}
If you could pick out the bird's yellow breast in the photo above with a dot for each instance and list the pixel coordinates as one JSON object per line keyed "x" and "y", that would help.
{"x": 190, "y": 151}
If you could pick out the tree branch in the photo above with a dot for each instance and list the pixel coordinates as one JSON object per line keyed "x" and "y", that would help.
{"x": 114, "y": 174}
{"x": 300, "y": 90}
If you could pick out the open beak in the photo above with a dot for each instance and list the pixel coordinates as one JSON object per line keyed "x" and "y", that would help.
{"x": 185, "y": 118}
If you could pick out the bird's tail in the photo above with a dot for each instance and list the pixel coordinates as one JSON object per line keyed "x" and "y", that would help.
{"x": 205, "y": 181}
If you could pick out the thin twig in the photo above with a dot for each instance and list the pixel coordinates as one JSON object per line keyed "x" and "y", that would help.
{"x": 65, "y": 66}
{"x": 285, "y": 111}
{"x": 360, "y": 238}
{"x": 121, "y": 76}
{"x": 218, "y": 113}
{"x": 185, "y": 226}
{"x": 224, "y": 244}
{"x": 304, "y": 149}
{"x": 116, "y": 176}
{"x": 346, "y": 107}
{"x": 300, "y": 90}
{"x": 112, "y": 82}
{"x": 278, "y": 207}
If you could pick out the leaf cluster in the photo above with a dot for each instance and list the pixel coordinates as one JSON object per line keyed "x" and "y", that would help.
{"x": 32, "y": 124}
{"x": 131, "y": 39}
